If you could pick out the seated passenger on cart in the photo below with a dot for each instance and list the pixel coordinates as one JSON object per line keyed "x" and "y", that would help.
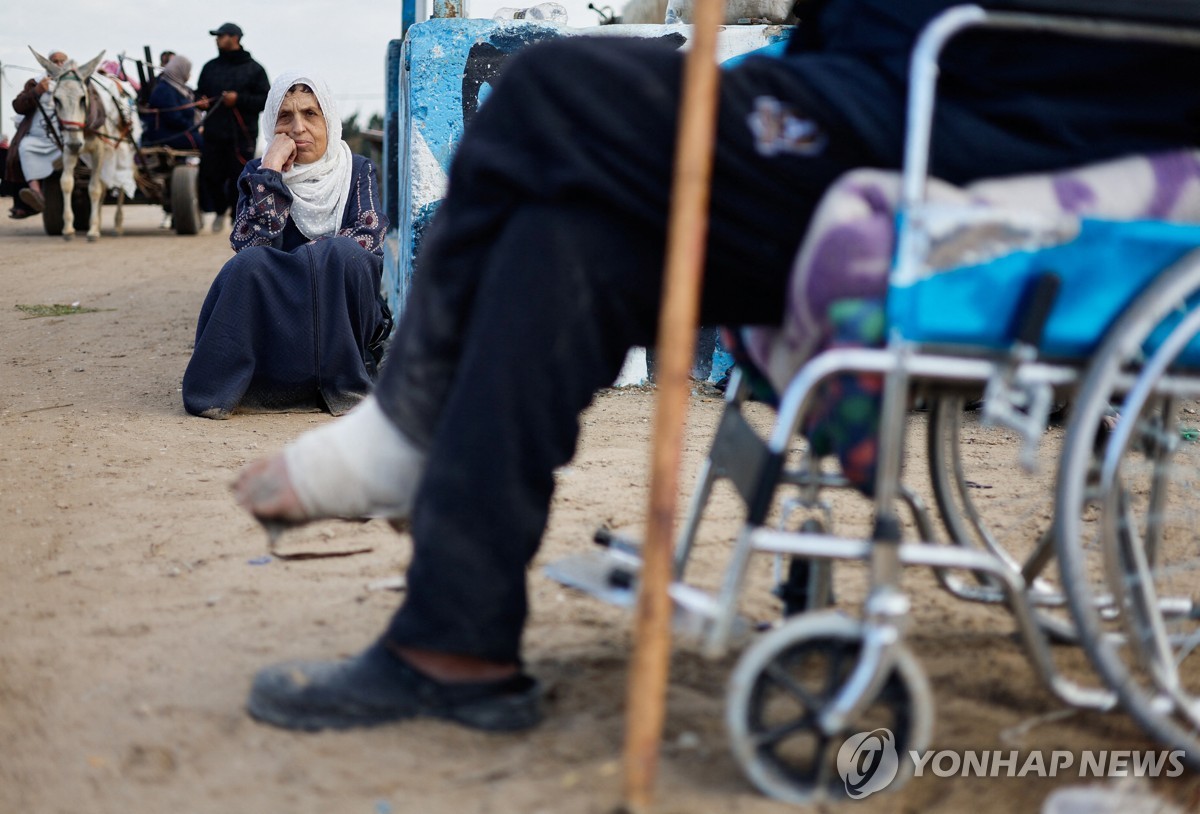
{"x": 37, "y": 146}
{"x": 295, "y": 319}
{"x": 171, "y": 118}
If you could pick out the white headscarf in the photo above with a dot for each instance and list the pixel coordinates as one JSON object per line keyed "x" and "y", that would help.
{"x": 321, "y": 189}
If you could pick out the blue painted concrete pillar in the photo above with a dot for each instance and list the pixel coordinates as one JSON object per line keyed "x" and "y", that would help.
{"x": 438, "y": 75}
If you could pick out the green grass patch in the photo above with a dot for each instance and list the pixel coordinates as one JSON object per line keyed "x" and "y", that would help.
{"x": 56, "y": 310}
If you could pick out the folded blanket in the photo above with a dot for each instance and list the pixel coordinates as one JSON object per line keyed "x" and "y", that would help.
{"x": 848, "y": 252}
{"x": 841, "y": 275}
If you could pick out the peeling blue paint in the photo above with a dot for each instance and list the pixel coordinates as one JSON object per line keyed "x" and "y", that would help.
{"x": 444, "y": 73}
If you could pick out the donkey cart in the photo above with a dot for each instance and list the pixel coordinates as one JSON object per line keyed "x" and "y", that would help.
{"x": 164, "y": 176}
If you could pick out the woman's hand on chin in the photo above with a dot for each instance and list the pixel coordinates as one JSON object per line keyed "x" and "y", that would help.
{"x": 281, "y": 153}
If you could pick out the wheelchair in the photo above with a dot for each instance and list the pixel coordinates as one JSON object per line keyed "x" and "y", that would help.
{"x": 1026, "y": 310}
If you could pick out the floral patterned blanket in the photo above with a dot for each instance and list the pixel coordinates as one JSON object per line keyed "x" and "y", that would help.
{"x": 841, "y": 274}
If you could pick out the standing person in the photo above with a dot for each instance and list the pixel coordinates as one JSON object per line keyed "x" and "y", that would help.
{"x": 37, "y": 144}
{"x": 523, "y": 304}
{"x": 233, "y": 89}
{"x": 295, "y": 319}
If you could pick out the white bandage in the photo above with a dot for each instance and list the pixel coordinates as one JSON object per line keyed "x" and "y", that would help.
{"x": 360, "y": 465}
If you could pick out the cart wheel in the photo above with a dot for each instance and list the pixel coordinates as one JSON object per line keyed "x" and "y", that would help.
{"x": 780, "y": 688}
{"x": 52, "y": 215}
{"x": 185, "y": 199}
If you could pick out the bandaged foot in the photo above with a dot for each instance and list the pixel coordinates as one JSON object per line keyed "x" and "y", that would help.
{"x": 359, "y": 466}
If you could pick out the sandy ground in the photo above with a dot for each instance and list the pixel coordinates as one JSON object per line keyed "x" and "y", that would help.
{"x": 135, "y": 603}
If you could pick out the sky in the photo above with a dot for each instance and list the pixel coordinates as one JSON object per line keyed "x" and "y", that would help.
{"x": 345, "y": 40}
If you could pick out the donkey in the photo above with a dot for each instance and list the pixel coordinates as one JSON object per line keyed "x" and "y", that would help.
{"x": 98, "y": 124}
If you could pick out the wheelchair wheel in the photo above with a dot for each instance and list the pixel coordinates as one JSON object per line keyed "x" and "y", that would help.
{"x": 779, "y": 689}
{"x": 1129, "y": 509}
{"x": 982, "y": 506}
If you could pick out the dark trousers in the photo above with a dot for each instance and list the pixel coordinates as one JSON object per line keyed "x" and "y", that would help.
{"x": 542, "y": 267}
{"x": 221, "y": 162}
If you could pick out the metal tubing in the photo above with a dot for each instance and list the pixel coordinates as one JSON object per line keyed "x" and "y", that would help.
{"x": 943, "y": 557}
{"x": 923, "y": 366}
{"x": 1143, "y": 388}
{"x": 691, "y": 523}
{"x": 922, "y": 84}
{"x": 881, "y": 641}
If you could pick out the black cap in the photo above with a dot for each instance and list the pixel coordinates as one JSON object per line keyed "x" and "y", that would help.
{"x": 227, "y": 28}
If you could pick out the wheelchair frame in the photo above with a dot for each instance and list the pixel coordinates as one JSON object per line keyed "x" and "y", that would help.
{"x": 1020, "y": 389}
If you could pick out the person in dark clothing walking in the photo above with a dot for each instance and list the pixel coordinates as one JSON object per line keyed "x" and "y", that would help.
{"x": 233, "y": 89}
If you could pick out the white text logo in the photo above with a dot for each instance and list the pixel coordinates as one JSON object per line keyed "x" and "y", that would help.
{"x": 1011, "y": 763}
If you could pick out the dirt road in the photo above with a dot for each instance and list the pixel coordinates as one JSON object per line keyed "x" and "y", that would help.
{"x": 136, "y": 602}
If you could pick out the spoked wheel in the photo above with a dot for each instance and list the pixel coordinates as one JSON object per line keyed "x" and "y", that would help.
{"x": 785, "y": 681}
{"x": 971, "y": 469}
{"x": 1129, "y": 509}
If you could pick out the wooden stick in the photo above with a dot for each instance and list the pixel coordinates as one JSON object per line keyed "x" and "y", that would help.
{"x": 688, "y": 229}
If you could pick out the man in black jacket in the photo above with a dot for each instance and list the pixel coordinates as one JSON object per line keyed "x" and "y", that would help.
{"x": 233, "y": 89}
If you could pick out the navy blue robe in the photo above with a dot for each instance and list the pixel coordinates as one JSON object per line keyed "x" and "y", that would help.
{"x": 168, "y": 121}
{"x": 291, "y": 323}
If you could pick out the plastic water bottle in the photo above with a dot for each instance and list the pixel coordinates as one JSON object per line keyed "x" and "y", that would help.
{"x": 543, "y": 12}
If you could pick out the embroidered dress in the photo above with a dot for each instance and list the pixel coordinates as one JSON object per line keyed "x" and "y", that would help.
{"x": 291, "y": 323}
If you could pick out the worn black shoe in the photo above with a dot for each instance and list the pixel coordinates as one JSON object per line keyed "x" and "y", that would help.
{"x": 377, "y": 687}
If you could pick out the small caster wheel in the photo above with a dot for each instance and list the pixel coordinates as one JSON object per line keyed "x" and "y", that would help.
{"x": 787, "y": 679}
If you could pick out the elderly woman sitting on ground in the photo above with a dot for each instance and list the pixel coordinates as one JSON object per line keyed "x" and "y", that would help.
{"x": 295, "y": 319}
